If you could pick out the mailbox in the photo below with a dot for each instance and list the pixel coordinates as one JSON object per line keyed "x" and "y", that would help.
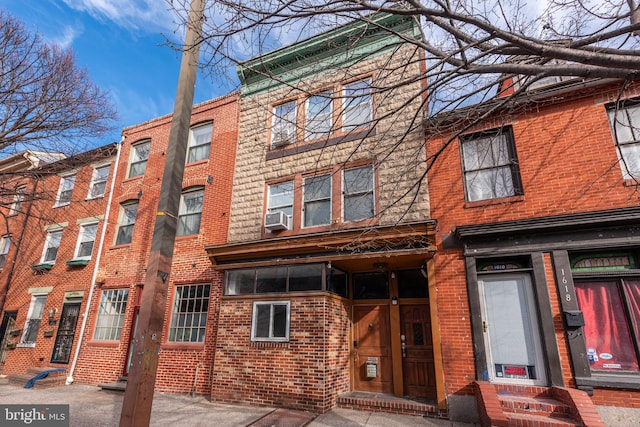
{"x": 371, "y": 367}
{"x": 574, "y": 318}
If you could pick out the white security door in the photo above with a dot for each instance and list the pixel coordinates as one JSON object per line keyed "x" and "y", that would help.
{"x": 512, "y": 336}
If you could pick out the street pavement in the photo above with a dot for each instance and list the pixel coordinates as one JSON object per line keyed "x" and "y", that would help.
{"x": 91, "y": 406}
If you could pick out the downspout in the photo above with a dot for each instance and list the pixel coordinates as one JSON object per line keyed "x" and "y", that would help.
{"x": 85, "y": 315}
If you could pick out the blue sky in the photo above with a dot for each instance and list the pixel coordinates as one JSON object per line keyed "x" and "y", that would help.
{"x": 120, "y": 43}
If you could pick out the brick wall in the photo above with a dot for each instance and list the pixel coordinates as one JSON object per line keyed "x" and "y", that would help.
{"x": 568, "y": 164}
{"x": 307, "y": 372}
{"x": 186, "y": 365}
{"x": 27, "y": 245}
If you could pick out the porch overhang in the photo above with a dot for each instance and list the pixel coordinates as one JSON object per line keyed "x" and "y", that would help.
{"x": 408, "y": 244}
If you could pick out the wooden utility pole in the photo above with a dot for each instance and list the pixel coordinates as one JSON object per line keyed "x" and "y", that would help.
{"x": 138, "y": 396}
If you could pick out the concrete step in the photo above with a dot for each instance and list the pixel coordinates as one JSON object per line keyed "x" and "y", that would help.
{"x": 114, "y": 386}
{"x": 21, "y": 380}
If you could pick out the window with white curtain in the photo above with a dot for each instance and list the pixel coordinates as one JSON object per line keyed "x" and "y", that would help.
{"x": 138, "y": 158}
{"x": 98, "y": 184}
{"x": 51, "y": 246}
{"x": 86, "y": 239}
{"x": 190, "y": 212}
{"x": 65, "y": 190}
{"x": 624, "y": 119}
{"x": 199, "y": 142}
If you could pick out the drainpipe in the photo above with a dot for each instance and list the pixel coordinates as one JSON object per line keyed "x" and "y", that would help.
{"x": 85, "y": 315}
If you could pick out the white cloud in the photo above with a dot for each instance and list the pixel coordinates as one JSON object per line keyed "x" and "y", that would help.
{"x": 139, "y": 15}
{"x": 66, "y": 38}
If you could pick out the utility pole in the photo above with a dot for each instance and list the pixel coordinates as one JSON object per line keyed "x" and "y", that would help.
{"x": 138, "y": 396}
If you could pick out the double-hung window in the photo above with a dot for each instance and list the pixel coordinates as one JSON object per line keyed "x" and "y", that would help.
{"x": 32, "y": 324}
{"x": 128, "y": 214}
{"x": 317, "y": 200}
{"x": 113, "y": 305}
{"x": 18, "y": 198}
{"x": 199, "y": 142}
{"x": 189, "y": 314}
{"x": 98, "y": 184}
{"x": 5, "y": 243}
{"x": 138, "y": 158}
{"x": 280, "y": 198}
{"x": 283, "y": 126}
{"x": 65, "y": 190}
{"x": 190, "y": 212}
{"x": 490, "y": 165}
{"x": 625, "y": 125}
{"x": 319, "y": 115}
{"x": 357, "y": 193}
{"x": 51, "y": 246}
{"x": 86, "y": 239}
{"x": 357, "y": 110}
{"x": 270, "y": 321}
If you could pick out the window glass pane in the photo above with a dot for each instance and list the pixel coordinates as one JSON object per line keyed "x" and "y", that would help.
{"x": 139, "y": 156}
{"x": 606, "y": 330}
{"x": 99, "y": 181}
{"x": 489, "y": 184}
{"x": 357, "y": 208}
{"x": 319, "y": 115}
{"x": 66, "y": 189}
{"x": 279, "y": 321}
{"x": 263, "y": 320}
{"x": 305, "y": 277}
{"x": 337, "y": 282}
{"x": 281, "y": 197}
{"x": 370, "y": 286}
{"x": 188, "y": 318}
{"x": 273, "y": 279}
{"x": 632, "y": 289}
{"x": 52, "y": 245}
{"x": 317, "y": 200}
{"x": 190, "y": 213}
{"x": 240, "y": 282}
{"x": 629, "y": 160}
{"x": 357, "y": 104}
{"x": 111, "y": 314}
{"x": 127, "y": 221}
{"x": 199, "y": 143}
{"x": 358, "y": 180}
{"x": 412, "y": 284}
{"x": 284, "y": 124}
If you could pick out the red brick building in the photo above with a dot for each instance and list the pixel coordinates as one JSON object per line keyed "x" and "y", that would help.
{"x": 190, "y": 334}
{"x": 537, "y": 261}
{"x": 49, "y": 254}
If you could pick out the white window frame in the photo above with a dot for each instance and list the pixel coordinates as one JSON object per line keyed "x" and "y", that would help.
{"x": 284, "y": 198}
{"x": 182, "y": 212}
{"x": 82, "y": 235}
{"x": 52, "y": 237}
{"x": 194, "y": 145}
{"x": 110, "y": 318}
{"x": 306, "y": 201}
{"x": 5, "y": 245}
{"x": 624, "y": 122}
{"x": 284, "y": 124}
{"x": 319, "y": 124}
{"x": 32, "y": 316}
{"x": 254, "y": 321}
{"x": 185, "y": 319}
{"x": 121, "y": 221}
{"x": 18, "y": 198}
{"x": 496, "y": 166}
{"x": 355, "y": 98}
{"x": 97, "y": 179}
{"x": 358, "y": 192}
{"x": 67, "y": 183}
{"x": 135, "y": 161}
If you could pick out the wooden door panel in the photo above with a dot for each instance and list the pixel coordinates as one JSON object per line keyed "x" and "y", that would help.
{"x": 418, "y": 366}
{"x": 372, "y": 338}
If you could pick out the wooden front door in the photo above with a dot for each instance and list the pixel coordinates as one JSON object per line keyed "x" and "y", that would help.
{"x": 372, "y": 344}
{"x": 418, "y": 367}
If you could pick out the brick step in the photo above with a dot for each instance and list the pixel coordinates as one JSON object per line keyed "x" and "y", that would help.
{"x": 51, "y": 381}
{"x": 378, "y": 402}
{"x": 527, "y": 420}
{"x": 545, "y": 406}
{"x": 35, "y": 371}
{"x": 523, "y": 390}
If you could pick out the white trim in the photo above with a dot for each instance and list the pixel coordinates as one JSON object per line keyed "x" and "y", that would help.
{"x": 56, "y": 227}
{"x": 254, "y": 322}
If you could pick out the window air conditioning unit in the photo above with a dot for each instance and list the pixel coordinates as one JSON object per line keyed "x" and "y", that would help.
{"x": 283, "y": 137}
{"x": 276, "y": 221}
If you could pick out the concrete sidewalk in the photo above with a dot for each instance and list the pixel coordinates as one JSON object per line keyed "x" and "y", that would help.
{"x": 90, "y": 406}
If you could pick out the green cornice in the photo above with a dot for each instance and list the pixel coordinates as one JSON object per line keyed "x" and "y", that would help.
{"x": 334, "y": 49}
